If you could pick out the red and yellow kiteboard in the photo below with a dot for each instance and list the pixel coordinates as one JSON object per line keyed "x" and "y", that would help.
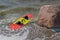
{"x": 20, "y": 22}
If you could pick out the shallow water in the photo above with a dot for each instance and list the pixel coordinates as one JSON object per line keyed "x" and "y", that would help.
{"x": 22, "y": 3}
{"x": 10, "y": 12}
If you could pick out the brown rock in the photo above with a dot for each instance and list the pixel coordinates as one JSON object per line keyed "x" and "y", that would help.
{"x": 49, "y": 16}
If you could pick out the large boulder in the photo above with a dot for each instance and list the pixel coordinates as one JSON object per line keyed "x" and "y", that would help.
{"x": 49, "y": 16}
